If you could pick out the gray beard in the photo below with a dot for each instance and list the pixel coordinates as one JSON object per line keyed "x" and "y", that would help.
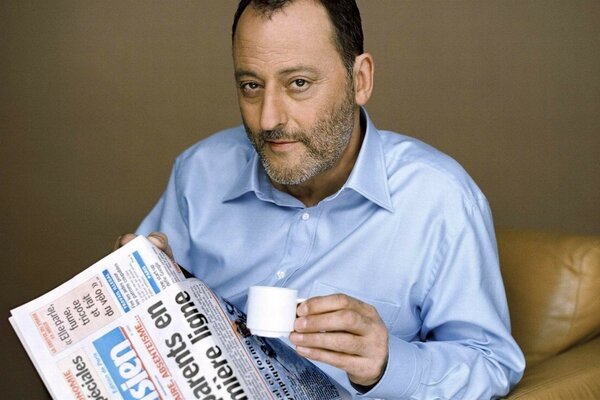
{"x": 325, "y": 145}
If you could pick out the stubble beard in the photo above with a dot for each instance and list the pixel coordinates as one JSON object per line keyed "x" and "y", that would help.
{"x": 324, "y": 145}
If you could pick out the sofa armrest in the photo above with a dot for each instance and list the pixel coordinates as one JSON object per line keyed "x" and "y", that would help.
{"x": 574, "y": 374}
{"x": 552, "y": 284}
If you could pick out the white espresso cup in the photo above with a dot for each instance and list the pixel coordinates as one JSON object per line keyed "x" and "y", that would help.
{"x": 272, "y": 310}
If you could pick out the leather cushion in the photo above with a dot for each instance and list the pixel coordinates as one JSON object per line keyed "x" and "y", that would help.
{"x": 572, "y": 375}
{"x": 553, "y": 289}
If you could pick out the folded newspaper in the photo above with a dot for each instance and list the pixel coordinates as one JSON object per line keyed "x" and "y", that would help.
{"x": 131, "y": 326}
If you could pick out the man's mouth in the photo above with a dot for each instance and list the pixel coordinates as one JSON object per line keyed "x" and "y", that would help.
{"x": 282, "y": 141}
{"x": 281, "y": 145}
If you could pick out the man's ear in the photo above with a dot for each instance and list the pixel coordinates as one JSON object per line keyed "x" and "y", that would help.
{"x": 364, "y": 68}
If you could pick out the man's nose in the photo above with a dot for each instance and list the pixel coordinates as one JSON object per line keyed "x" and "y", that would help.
{"x": 273, "y": 113}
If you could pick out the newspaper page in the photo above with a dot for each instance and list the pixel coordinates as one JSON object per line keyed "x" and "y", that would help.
{"x": 131, "y": 327}
{"x": 61, "y": 319}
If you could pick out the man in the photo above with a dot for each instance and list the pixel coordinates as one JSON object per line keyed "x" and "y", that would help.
{"x": 391, "y": 240}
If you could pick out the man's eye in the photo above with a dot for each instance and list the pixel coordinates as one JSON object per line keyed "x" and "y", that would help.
{"x": 300, "y": 84}
{"x": 250, "y": 89}
{"x": 249, "y": 86}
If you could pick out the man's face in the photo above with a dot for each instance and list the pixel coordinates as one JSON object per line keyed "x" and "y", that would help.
{"x": 296, "y": 100}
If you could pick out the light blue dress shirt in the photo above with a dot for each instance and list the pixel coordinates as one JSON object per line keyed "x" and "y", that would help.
{"x": 409, "y": 233}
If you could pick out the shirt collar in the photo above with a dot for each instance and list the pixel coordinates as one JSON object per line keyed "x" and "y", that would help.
{"x": 250, "y": 179}
{"x": 368, "y": 177}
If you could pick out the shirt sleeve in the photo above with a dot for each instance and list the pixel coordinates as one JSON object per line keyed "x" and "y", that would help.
{"x": 465, "y": 349}
{"x": 169, "y": 216}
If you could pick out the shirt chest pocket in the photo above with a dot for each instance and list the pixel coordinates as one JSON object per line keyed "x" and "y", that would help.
{"x": 388, "y": 311}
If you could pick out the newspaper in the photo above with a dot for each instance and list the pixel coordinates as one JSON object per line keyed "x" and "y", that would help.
{"x": 131, "y": 326}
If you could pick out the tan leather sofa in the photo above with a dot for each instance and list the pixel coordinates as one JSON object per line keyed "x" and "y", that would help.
{"x": 553, "y": 289}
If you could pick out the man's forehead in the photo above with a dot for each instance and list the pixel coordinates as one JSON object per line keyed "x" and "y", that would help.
{"x": 299, "y": 33}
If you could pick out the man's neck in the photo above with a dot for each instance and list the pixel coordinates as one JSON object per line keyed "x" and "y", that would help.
{"x": 329, "y": 182}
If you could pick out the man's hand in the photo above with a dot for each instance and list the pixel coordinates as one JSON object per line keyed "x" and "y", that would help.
{"x": 159, "y": 239}
{"x": 344, "y": 332}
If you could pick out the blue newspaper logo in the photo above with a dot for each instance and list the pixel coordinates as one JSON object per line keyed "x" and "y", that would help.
{"x": 125, "y": 367}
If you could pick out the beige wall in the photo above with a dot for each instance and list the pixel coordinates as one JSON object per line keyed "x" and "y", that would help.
{"x": 97, "y": 98}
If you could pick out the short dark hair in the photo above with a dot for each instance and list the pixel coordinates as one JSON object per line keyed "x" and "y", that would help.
{"x": 343, "y": 14}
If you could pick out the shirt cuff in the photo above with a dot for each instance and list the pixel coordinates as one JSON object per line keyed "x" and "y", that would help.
{"x": 402, "y": 373}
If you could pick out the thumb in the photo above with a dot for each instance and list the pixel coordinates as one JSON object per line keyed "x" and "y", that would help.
{"x": 161, "y": 241}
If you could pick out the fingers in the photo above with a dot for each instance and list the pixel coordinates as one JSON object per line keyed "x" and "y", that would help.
{"x": 158, "y": 239}
{"x": 344, "y": 332}
{"x": 335, "y": 312}
{"x": 360, "y": 370}
{"x": 348, "y": 320}
{"x": 123, "y": 240}
{"x": 340, "y": 342}
{"x": 349, "y": 363}
{"x": 161, "y": 241}
{"x": 334, "y": 302}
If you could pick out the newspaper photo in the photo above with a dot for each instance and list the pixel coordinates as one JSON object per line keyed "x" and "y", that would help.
{"x": 131, "y": 326}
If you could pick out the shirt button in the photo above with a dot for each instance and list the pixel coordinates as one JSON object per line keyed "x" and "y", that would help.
{"x": 280, "y": 274}
{"x": 305, "y": 216}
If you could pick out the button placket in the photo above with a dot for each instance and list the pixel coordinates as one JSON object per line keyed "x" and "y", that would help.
{"x": 298, "y": 245}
